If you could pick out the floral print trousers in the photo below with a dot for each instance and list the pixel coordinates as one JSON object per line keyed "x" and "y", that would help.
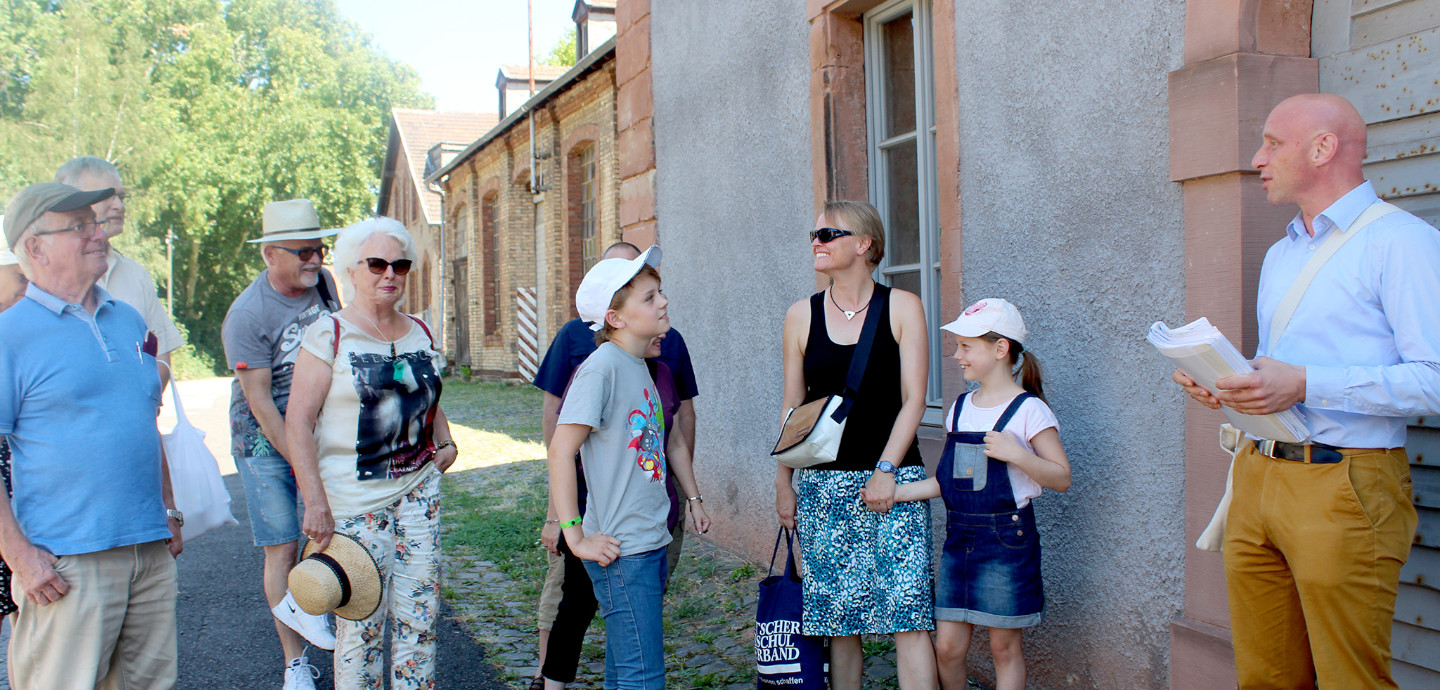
{"x": 404, "y": 538}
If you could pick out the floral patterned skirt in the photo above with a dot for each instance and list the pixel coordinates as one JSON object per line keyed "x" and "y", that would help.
{"x": 404, "y": 538}
{"x": 865, "y": 572}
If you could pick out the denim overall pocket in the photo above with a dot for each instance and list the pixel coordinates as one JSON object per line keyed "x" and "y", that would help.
{"x": 970, "y": 465}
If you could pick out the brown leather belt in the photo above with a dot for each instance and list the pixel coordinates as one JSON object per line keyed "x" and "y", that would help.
{"x": 1319, "y": 453}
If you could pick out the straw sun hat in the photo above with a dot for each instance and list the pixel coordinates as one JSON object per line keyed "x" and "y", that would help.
{"x": 343, "y": 578}
{"x": 295, "y": 219}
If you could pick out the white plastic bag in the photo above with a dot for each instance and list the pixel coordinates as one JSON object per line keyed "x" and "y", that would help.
{"x": 194, "y": 476}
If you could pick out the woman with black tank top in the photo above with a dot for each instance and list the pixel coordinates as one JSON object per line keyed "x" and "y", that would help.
{"x": 865, "y": 572}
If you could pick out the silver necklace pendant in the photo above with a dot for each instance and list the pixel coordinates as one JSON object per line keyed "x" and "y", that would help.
{"x": 849, "y": 315}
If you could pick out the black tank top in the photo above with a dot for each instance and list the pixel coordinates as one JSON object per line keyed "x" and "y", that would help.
{"x": 873, "y": 414}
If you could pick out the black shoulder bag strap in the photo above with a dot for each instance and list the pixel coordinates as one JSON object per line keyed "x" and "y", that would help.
{"x": 326, "y": 299}
{"x": 861, "y": 355}
{"x": 1012, "y": 409}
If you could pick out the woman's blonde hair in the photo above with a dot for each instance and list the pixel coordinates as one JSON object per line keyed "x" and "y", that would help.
{"x": 607, "y": 331}
{"x": 863, "y": 220}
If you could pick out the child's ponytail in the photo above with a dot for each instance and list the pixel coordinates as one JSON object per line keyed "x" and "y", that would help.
{"x": 1029, "y": 364}
{"x": 1030, "y": 374}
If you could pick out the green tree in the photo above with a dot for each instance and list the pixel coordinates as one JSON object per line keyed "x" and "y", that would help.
{"x": 562, "y": 54}
{"x": 211, "y": 109}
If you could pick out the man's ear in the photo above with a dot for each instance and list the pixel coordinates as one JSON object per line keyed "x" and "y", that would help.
{"x": 1323, "y": 149}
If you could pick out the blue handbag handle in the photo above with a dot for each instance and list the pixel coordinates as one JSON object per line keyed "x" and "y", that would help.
{"x": 789, "y": 553}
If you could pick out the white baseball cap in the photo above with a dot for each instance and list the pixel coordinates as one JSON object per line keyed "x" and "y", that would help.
{"x": 6, "y": 258}
{"x": 606, "y": 278}
{"x": 989, "y": 315}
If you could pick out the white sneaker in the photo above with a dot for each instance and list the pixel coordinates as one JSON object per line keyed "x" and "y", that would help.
{"x": 300, "y": 675}
{"x": 315, "y": 629}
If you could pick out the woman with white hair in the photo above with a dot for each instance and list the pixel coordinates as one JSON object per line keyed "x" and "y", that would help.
{"x": 368, "y": 443}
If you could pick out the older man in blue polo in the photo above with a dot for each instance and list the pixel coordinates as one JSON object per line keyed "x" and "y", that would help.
{"x": 90, "y": 532}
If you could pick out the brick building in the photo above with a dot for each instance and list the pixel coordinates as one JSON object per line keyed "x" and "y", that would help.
{"x": 421, "y": 141}
{"x": 529, "y": 236}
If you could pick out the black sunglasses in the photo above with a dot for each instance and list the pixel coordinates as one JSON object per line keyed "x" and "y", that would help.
{"x": 828, "y": 235}
{"x": 378, "y": 266}
{"x": 305, "y": 253}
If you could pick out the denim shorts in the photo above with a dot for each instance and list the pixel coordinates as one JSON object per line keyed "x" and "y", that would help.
{"x": 272, "y": 499}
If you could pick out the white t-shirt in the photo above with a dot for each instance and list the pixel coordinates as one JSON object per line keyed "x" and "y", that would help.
{"x": 129, "y": 282}
{"x": 372, "y": 436}
{"x": 1033, "y": 417}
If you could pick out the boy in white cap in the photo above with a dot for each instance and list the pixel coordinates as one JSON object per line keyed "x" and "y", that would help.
{"x": 612, "y": 416}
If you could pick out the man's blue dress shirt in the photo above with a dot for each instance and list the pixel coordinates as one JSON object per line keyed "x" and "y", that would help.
{"x": 1368, "y": 328}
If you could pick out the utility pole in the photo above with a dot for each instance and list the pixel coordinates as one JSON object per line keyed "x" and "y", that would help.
{"x": 170, "y": 281}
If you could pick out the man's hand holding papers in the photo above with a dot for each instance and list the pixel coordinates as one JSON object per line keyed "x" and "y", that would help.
{"x": 1274, "y": 386}
{"x": 1258, "y": 397}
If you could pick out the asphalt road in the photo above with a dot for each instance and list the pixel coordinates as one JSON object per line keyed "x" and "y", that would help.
{"x": 227, "y": 640}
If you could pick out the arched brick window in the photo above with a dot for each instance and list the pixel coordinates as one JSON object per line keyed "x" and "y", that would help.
{"x": 582, "y": 211}
{"x": 490, "y": 259}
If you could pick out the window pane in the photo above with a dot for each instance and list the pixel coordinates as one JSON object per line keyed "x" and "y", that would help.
{"x": 589, "y": 235}
{"x": 908, "y": 281}
{"x": 902, "y": 189}
{"x": 899, "y": 49}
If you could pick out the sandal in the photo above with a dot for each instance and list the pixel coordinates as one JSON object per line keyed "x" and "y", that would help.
{"x": 538, "y": 683}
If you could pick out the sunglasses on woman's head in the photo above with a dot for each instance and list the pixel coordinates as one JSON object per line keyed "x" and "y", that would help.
{"x": 828, "y": 235}
{"x": 378, "y": 266}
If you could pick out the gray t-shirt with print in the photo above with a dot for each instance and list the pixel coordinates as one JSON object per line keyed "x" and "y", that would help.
{"x": 624, "y": 456}
{"x": 263, "y": 329}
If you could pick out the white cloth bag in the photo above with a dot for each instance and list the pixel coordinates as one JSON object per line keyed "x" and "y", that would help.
{"x": 194, "y": 476}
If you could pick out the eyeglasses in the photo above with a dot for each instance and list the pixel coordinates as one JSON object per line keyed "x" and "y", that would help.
{"x": 828, "y": 235}
{"x": 306, "y": 253}
{"x": 85, "y": 230}
{"x": 378, "y": 266}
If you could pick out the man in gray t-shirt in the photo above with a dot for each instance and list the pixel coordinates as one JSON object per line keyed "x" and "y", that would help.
{"x": 262, "y": 334}
{"x": 624, "y": 455}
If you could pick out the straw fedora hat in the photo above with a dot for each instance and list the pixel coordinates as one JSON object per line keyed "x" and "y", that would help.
{"x": 343, "y": 578}
{"x": 295, "y": 219}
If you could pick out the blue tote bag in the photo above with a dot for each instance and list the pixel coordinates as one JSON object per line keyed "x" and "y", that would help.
{"x": 784, "y": 658}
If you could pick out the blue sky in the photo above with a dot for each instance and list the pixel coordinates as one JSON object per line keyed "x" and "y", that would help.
{"x": 457, "y": 46}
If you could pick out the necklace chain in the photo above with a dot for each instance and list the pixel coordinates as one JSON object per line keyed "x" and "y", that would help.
{"x": 377, "y": 328}
{"x": 849, "y": 315}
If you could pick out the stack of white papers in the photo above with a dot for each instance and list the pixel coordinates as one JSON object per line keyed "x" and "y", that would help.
{"x": 1205, "y": 354}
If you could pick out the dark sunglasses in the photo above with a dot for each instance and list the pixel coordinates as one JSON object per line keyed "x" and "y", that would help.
{"x": 306, "y": 253}
{"x": 378, "y": 266}
{"x": 828, "y": 235}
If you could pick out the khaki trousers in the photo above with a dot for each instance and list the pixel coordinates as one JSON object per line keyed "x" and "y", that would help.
{"x": 115, "y": 629}
{"x": 1312, "y": 564}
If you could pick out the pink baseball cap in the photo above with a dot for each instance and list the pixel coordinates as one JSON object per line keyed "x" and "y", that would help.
{"x": 989, "y": 315}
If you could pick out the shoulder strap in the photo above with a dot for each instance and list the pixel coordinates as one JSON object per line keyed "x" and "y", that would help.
{"x": 955, "y": 413}
{"x": 1011, "y": 410}
{"x": 1332, "y": 244}
{"x": 324, "y": 288}
{"x": 336, "y": 351}
{"x": 425, "y": 328}
{"x": 862, "y": 353}
{"x": 862, "y": 348}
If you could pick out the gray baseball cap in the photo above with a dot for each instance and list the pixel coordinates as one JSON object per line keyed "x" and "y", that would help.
{"x": 38, "y": 199}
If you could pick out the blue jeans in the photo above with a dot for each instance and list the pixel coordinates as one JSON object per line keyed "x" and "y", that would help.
{"x": 629, "y": 592}
{"x": 272, "y": 499}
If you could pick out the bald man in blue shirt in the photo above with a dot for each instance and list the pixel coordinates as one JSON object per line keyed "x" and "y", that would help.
{"x": 1317, "y": 532}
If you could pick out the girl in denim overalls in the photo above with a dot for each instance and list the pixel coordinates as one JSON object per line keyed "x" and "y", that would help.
{"x": 1001, "y": 448}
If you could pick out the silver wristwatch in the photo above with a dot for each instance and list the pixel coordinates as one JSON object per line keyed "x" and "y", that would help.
{"x": 177, "y": 515}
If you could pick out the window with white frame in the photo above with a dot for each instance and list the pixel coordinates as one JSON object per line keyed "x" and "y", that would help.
{"x": 900, "y": 113}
